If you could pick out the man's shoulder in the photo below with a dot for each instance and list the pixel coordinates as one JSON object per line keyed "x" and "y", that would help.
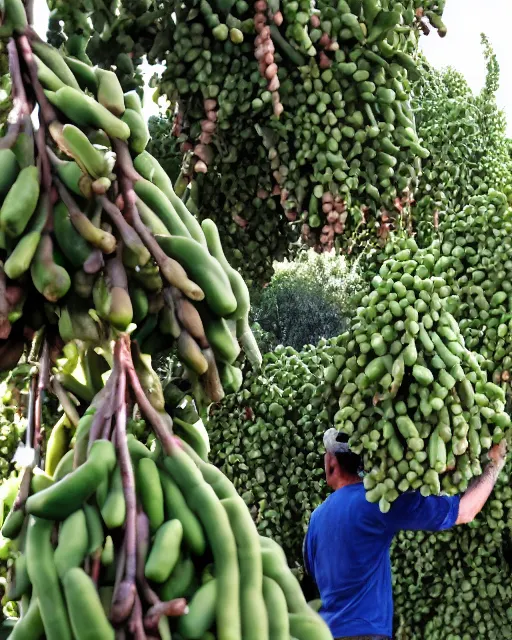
{"x": 340, "y": 497}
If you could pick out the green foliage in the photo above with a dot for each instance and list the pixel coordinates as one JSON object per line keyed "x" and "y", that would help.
{"x": 308, "y": 298}
{"x": 266, "y": 340}
{"x": 164, "y": 146}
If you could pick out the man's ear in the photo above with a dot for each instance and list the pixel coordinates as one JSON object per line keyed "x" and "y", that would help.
{"x": 330, "y": 463}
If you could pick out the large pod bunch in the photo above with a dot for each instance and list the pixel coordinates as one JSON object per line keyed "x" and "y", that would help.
{"x": 119, "y": 539}
{"x": 476, "y": 251}
{"x": 93, "y": 238}
{"x": 413, "y": 399}
{"x": 342, "y": 142}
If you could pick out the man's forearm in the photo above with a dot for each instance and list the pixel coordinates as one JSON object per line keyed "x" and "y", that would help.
{"x": 473, "y": 501}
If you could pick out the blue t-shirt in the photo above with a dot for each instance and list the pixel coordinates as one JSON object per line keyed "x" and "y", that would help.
{"x": 346, "y": 552}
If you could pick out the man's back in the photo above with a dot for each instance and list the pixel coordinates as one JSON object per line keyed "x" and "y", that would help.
{"x": 347, "y": 554}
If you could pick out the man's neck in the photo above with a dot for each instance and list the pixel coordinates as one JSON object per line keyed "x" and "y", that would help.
{"x": 347, "y": 481}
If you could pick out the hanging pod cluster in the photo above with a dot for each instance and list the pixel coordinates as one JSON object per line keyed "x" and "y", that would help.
{"x": 351, "y": 119}
{"x": 351, "y": 62}
{"x": 224, "y": 107}
{"x": 266, "y": 86}
{"x": 476, "y": 248}
{"x": 91, "y": 222}
{"x": 414, "y": 400}
{"x": 126, "y": 540}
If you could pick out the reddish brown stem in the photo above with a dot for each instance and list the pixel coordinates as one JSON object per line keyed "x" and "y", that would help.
{"x": 94, "y": 262}
{"x": 24, "y": 489}
{"x": 136, "y": 625}
{"x": 126, "y": 597}
{"x": 66, "y": 197}
{"x": 7, "y": 141}
{"x": 124, "y": 160}
{"x": 142, "y": 543}
{"x": 153, "y": 417}
{"x": 65, "y": 402}
{"x": 105, "y": 408}
{"x": 115, "y": 269}
{"x": 107, "y": 429}
{"x": 96, "y": 567}
{"x": 128, "y": 234}
{"x": 20, "y": 107}
{"x": 120, "y": 566}
{"x": 171, "y": 609}
{"x": 47, "y": 111}
{"x": 46, "y": 172}
{"x": 42, "y": 384}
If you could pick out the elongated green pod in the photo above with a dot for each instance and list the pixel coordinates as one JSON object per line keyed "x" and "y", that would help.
{"x": 88, "y": 619}
{"x": 113, "y": 511}
{"x": 205, "y": 270}
{"x": 150, "y": 491}
{"x": 277, "y": 610}
{"x": 64, "y": 497}
{"x": 55, "y": 61}
{"x": 252, "y": 603}
{"x": 150, "y": 168}
{"x": 20, "y": 203}
{"x": 165, "y": 551}
{"x": 202, "y": 500}
{"x": 201, "y": 615}
{"x": 73, "y": 543}
{"x": 176, "y": 507}
{"x": 43, "y": 575}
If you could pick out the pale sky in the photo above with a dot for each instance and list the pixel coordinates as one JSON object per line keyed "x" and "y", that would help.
{"x": 461, "y": 49}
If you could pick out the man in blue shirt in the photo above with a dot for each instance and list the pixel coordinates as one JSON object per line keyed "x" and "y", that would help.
{"x": 346, "y": 549}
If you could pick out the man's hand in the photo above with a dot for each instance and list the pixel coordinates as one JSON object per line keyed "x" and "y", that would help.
{"x": 498, "y": 454}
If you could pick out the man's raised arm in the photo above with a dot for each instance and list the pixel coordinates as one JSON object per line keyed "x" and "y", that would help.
{"x": 473, "y": 501}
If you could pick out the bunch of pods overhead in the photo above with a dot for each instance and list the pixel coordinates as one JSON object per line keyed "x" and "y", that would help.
{"x": 294, "y": 109}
